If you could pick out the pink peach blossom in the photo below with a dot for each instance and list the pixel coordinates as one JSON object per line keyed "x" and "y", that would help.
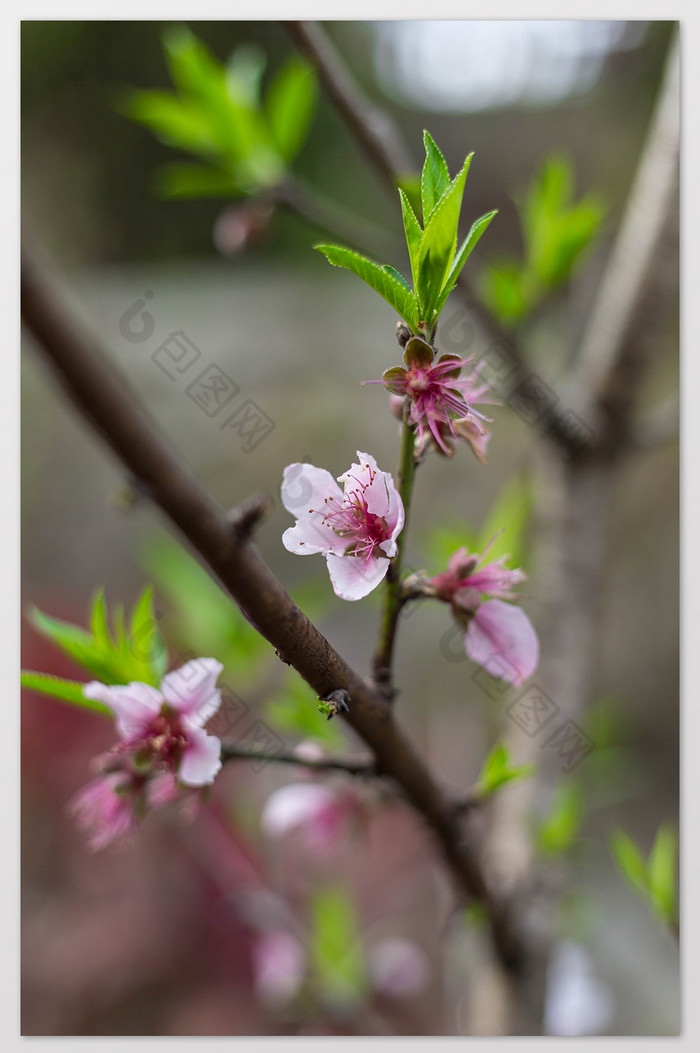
{"x": 164, "y": 729}
{"x": 442, "y": 401}
{"x": 354, "y": 528}
{"x": 498, "y": 635}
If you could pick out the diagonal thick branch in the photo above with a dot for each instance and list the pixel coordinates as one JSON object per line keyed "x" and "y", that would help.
{"x": 223, "y": 543}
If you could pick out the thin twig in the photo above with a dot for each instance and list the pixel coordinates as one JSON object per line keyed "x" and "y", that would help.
{"x": 350, "y": 767}
{"x": 393, "y": 599}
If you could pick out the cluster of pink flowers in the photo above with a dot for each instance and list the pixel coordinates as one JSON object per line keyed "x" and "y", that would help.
{"x": 162, "y": 745}
{"x": 497, "y": 635}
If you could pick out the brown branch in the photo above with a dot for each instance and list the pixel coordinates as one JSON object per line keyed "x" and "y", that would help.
{"x": 374, "y": 130}
{"x": 608, "y": 364}
{"x": 104, "y": 399}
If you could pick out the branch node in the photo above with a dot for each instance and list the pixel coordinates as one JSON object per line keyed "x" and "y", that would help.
{"x": 245, "y": 517}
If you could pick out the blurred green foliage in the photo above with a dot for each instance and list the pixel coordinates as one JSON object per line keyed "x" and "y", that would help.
{"x": 497, "y": 771}
{"x": 556, "y": 231}
{"x": 218, "y": 114}
{"x": 654, "y": 879}
{"x": 336, "y": 949}
{"x": 116, "y": 654}
{"x": 505, "y": 527}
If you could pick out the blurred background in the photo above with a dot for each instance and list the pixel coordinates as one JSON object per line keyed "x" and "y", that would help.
{"x": 176, "y": 934}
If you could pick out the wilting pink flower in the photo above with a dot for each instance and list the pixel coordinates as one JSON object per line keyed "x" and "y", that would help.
{"x": 498, "y": 635}
{"x": 354, "y": 528}
{"x": 164, "y": 729}
{"x": 279, "y": 967}
{"x": 322, "y": 815}
{"x": 442, "y": 401}
{"x": 163, "y": 743}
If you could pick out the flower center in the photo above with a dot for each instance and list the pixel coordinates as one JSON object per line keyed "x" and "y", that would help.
{"x": 164, "y": 741}
{"x": 352, "y": 519}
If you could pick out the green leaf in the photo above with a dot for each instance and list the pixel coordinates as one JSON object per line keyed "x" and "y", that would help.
{"x": 508, "y": 518}
{"x": 290, "y": 104}
{"x": 466, "y": 248}
{"x": 336, "y": 950}
{"x": 395, "y": 292}
{"x": 184, "y": 180}
{"x": 505, "y": 292}
{"x": 629, "y": 860}
{"x": 497, "y": 771}
{"x": 245, "y": 68}
{"x": 557, "y": 833}
{"x": 174, "y": 122}
{"x": 435, "y": 178}
{"x": 66, "y": 690}
{"x": 413, "y": 233}
{"x": 145, "y": 641}
{"x": 439, "y": 243}
{"x": 661, "y": 872}
{"x": 75, "y": 642}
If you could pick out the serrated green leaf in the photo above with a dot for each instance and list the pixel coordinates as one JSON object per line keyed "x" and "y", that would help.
{"x": 413, "y": 233}
{"x": 467, "y": 247}
{"x": 435, "y": 178}
{"x": 395, "y": 292}
{"x": 66, "y": 690}
{"x": 290, "y": 104}
{"x": 661, "y": 872}
{"x": 73, "y": 641}
{"x": 336, "y": 950}
{"x": 439, "y": 243}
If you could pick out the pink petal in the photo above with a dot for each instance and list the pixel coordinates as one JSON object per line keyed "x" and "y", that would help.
{"x": 381, "y": 494}
{"x": 353, "y": 577}
{"x": 398, "y": 967}
{"x": 134, "y": 705}
{"x": 295, "y": 805}
{"x": 501, "y": 638}
{"x": 202, "y": 758}
{"x": 279, "y": 967}
{"x": 192, "y": 691}
{"x": 304, "y": 492}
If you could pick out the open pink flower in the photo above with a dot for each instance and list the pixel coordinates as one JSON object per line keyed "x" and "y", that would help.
{"x": 162, "y": 743}
{"x": 442, "y": 401}
{"x": 354, "y": 528}
{"x": 498, "y": 635}
{"x": 164, "y": 730}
